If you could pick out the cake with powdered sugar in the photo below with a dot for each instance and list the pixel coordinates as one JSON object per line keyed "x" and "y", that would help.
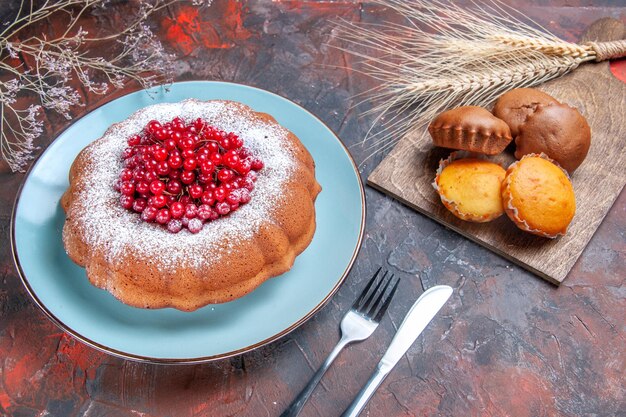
{"x": 187, "y": 204}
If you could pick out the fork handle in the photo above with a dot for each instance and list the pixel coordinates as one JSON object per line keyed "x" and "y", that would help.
{"x": 366, "y": 393}
{"x": 296, "y": 406}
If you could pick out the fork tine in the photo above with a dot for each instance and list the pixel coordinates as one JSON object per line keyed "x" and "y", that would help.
{"x": 367, "y": 303}
{"x": 383, "y": 307}
{"x": 377, "y": 295}
{"x": 359, "y": 301}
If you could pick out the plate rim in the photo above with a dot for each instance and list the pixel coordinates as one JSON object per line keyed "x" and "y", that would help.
{"x": 201, "y": 359}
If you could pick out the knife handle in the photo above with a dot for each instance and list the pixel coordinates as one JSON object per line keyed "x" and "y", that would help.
{"x": 366, "y": 393}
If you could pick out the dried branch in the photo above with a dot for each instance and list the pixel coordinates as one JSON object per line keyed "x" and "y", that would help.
{"x": 55, "y": 64}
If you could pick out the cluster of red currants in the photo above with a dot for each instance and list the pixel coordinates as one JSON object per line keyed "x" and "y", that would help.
{"x": 182, "y": 175}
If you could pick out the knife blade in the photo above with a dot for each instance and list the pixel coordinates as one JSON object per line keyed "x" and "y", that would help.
{"x": 416, "y": 320}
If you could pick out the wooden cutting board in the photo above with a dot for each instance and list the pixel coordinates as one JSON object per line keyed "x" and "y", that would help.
{"x": 409, "y": 169}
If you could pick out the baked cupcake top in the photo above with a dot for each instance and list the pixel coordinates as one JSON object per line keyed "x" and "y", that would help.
{"x": 557, "y": 130}
{"x": 515, "y": 106}
{"x": 538, "y": 196}
{"x": 470, "y": 187}
{"x": 470, "y": 128}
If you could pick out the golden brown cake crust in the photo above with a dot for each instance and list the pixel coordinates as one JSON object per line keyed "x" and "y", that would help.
{"x": 470, "y": 128}
{"x": 470, "y": 187}
{"x": 538, "y": 196}
{"x": 230, "y": 257}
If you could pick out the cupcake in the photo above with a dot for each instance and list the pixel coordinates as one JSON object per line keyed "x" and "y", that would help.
{"x": 515, "y": 106}
{"x": 538, "y": 196}
{"x": 470, "y": 128}
{"x": 557, "y": 130}
{"x": 470, "y": 187}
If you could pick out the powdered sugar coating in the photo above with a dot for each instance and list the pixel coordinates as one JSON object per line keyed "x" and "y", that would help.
{"x": 114, "y": 229}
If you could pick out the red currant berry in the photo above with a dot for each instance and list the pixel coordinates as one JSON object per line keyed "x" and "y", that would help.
{"x": 178, "y": 124}
{"x": 140, "y": 205}
{"x": 151, "y": 175}
{"x": 248, "y": 184}
{"x": 157, "y": 201}
{"x": 188, "y": 153}
{"x": 191, "y": 210}
{"x": 170, "y": 144}
{"x": 175, "y": 161}
{"x": 187, "y": 143}
{"x": 149, "y": 214}
{"x": 233, "y": 198}
{"x": 175, "y": 174}
{"x": 244, "y": 153}
{"x": 216, "y": 158}
{"x": 225, "y": 175}
{"x": 127, "y": 188}
{"x": 160, "y": 154}
{"x": 207, "y": 167}
{"x": 177, "y": 210}
{"x": 139, "y": 174}
{"x": 174, "y": 187}
{"x": 187, "y": 177}
{"x": 231, "y": 159}
{"x": 213, "y": 147}
{"x": 244, "y": 196}
{"x": 161, "y": 134}
{"x": 157, "y": 187}
{"x": 243, "y": 167}
{"x": 204, "y": 212}
{"x": 198, "y": 124}
{"x": 195, "y": 191}
{"x": 142, "y": 187}
{"x": 163, "y": 216}
{"x": 134, "y": 140}
{"x": 190, "y": 164}
{"x": 126, "y": 174}
{"x": 257, "y": 164}
{"x": 153, "y": 126}
{"x": 127, "y": 201}
{"x": 163, "y": 169}
{"x": 174, "y": 226}
{"x": 236, "y": 141}
{"x": 204, "y": 178}
{"x": 222, "y": 208}
{"x": 128, "y": 152}
{"x": 195, "y": 225}
{"x": 207, "y": 198}
{"x": 225, "y": 143}
{"x": 220, "y": 194}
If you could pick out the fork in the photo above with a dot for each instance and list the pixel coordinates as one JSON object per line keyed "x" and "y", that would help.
{"x": 358, "y": 324}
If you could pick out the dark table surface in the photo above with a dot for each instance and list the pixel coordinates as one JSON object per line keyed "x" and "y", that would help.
{"x": 507, "y": 344}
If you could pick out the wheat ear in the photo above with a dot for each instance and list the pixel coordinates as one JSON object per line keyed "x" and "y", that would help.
{"x": 443, "y": 56}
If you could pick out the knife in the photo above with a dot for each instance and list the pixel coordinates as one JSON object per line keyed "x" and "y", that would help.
{"x": 420, "y": 314}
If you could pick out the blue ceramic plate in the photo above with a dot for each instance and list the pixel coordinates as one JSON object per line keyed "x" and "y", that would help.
{"x": 62, "y": 290}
